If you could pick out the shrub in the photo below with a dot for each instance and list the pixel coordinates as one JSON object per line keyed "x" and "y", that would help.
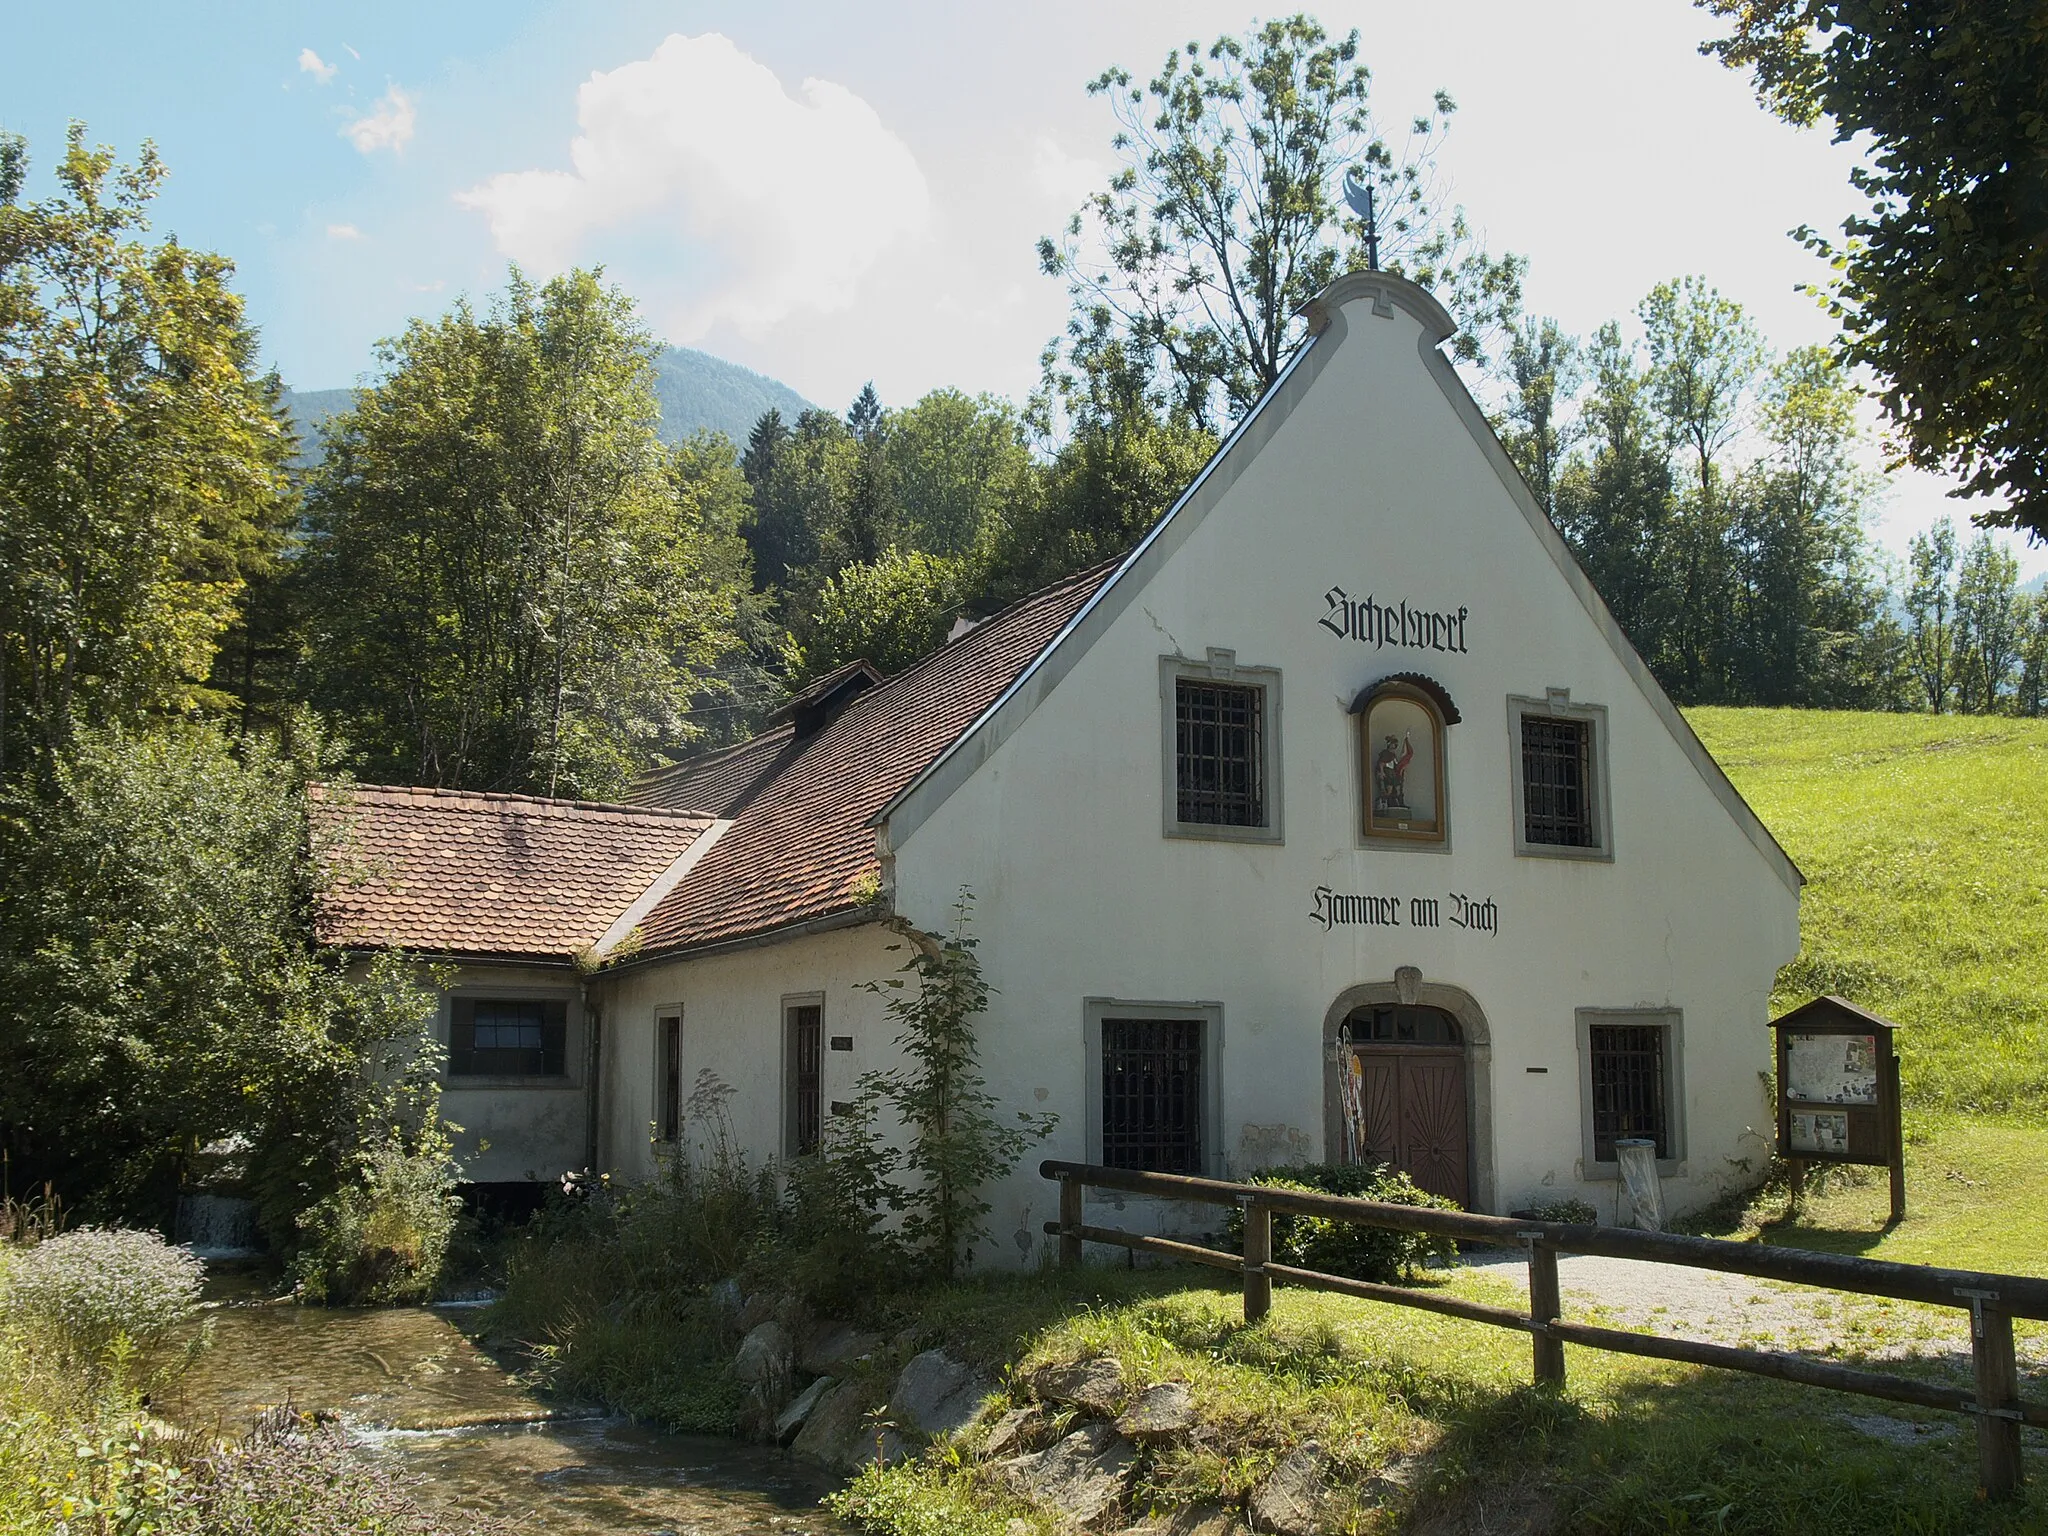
{"x": 80, "y": 1295}
{"x": 383, "y": 1239}
{"x": 1349, "y": 1248}
{"x": 1572, "y": 1211}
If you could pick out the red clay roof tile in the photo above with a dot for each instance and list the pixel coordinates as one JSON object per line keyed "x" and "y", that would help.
{"x": 457, "y": 872}
{"x": 800, "y": 846}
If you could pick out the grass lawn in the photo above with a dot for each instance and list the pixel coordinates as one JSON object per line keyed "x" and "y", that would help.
{"x": 1924, "y": 840}
{"x": 1445, "y": 1407}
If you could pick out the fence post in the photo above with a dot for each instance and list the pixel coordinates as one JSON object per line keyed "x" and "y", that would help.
{"x": 1998, "y": 1391}
{"x": 1545, "y": 1307}
{"x": 1258, "y": 1249}
{"x": 1070, "y": 1221}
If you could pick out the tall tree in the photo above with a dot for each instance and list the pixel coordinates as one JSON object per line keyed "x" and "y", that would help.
{"x": 502, "y": 591}
{"x": 1932, "y": 635}
{"x": 1543, "y": 368}
{"x": 1223, "y": 221}
{"x": 1942, "y": 285}
{"x": 960, "y": 466}
{"x": 869, "y": 524}
{"x": 1614, "y": 507}
{"x": 1989, "y": 622}
{"x": 141, "y": 456}
{"x": 2031, "y": 697}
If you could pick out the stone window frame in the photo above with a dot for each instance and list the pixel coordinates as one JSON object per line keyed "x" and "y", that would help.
{"x": 785, "y": 1138}
{"x": 1219, "y": 666}
{"x": 664, "y": 1014}
{"x": 1672, "y": 1022}
{"x": 1094, "y": 1010}
{"x": 574, "y": 1024}
{"x": 1556, "y": 704}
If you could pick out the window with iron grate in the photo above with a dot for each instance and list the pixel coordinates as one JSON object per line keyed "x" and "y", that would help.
{"x": 1629, "y": 1083}
{"x": 1219, "y": 742}
{"x": 508, "y": 1037}
{"x": 1152, "y": 1094}
{"x": 1557, "y": 782}
{"x": 805, "y": 1025}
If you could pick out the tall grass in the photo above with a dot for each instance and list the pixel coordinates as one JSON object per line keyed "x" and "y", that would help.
{"x": 1924, "y": 840}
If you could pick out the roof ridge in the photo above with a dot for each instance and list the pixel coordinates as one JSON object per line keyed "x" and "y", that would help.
{"x": 324, "y": 789}
{"x": 712, "y": 755}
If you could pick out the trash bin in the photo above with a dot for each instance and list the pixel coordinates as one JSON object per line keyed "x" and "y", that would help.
{"x": 1638, "y": 1160}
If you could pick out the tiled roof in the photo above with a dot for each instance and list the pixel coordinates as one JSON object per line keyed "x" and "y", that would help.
{"x": 800, "y": 846}
{"x": 454, "y": 872}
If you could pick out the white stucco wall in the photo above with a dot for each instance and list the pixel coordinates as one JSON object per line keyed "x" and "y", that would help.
{"x": 514, "y": 1131}
{"x": 1371, "y": 483}
{"x": 732, "y": 1011}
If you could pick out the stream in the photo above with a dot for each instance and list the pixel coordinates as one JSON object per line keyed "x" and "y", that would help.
{"x": 420, "y": 1398}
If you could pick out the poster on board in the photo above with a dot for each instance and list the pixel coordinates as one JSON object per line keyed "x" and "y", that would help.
{"x": 1822, "y": 1132}
{"x": 1831, "y": 1069}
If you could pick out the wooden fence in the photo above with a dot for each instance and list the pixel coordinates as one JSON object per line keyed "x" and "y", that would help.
{"x": 1992, "y": 1300}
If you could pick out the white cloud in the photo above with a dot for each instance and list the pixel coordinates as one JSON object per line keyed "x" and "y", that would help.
{"x": 1067, "y": 179}
{"x": 343, "y": 232}
{"x": 773, "y": 201}
{"x": 310, "y": 63}
{"x": 388, "y": 125}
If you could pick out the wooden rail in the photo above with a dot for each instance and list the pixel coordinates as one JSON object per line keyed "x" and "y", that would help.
{"x": 1992, "y": 1300}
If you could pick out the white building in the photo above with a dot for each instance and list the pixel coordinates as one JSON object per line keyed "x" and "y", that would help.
{"x": 1337, "y": 821}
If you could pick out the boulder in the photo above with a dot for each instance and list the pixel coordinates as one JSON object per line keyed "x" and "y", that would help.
{"x": 830, "y": 1349}
{"x": 839, "y": 1434}
{"x": 764, "y": 1353}
{"x": 1162, "y": 1412}
{"x": 1096, "y": 1386}
{"x": 936, "y": 1395}
{"x": 727, "y": 1298}
{"x": 1003, "y": 1435}
{"x": 1081, "y": 1478}
{"x": 1291, "y": 1501}
{"x": 1191, "y": 1520}
{"x": 791, "y": 1419}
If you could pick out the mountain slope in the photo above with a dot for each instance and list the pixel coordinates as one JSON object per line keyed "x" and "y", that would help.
{"x": 697, "y": 392}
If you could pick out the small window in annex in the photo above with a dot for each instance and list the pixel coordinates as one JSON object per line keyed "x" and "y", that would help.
{"x": 1152, "y": 1094}
{"x": 1629, "y": 1074}
{"x": 508, "y": 1037}
{"x": 1561, "y": 777}
{"x": 1222, "y": 749}
{"x": 1401, "y": 726}
{"x": 668, "y": 1075}
{"x": 803, "y": 1067}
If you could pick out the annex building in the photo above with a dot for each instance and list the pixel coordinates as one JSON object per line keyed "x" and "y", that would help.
{"x": 1337, "y": 821}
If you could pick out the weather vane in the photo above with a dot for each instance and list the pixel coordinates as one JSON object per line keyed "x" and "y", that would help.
{"x": 1358, "y": 193}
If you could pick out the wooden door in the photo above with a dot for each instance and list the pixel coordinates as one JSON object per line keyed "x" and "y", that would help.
{"x": 1411, "y": 1103}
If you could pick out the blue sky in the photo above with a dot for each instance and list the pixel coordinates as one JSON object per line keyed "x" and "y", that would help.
{"x": 832, "y": 193}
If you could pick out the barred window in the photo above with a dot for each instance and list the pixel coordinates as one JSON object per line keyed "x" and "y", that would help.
{"x": 1557, "y": 782}
{"x": 1152, "y": 1094}
{"x": 1628, "y": 1079}
{"x": 805, "y": 1024}
{"x": 508, "y": 1037}
{"x": 1219, "y": 741}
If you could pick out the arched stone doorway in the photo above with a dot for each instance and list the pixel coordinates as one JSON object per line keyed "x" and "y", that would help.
{"x": 1408, "y": 1083}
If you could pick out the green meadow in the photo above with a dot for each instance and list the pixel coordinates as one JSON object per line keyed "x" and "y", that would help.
{"x": 1924, "y": 841}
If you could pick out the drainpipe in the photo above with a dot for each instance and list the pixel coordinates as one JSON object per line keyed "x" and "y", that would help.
{"x": 593, "y": 1033}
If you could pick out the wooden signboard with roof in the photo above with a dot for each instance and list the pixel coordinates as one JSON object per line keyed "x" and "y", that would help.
{"x": 1838, "y": 1091}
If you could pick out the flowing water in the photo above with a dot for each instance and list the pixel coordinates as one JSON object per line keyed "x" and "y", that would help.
{"x": 420, "y": 1398}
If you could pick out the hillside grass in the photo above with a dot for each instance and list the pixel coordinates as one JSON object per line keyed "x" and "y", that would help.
{"x": 1924, "y": 841}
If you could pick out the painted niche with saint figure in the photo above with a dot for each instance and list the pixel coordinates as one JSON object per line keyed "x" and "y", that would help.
{"x": 1401, "y": 729}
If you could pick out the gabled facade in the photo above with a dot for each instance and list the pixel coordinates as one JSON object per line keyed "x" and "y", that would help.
{"x": 1336, "y": 822}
